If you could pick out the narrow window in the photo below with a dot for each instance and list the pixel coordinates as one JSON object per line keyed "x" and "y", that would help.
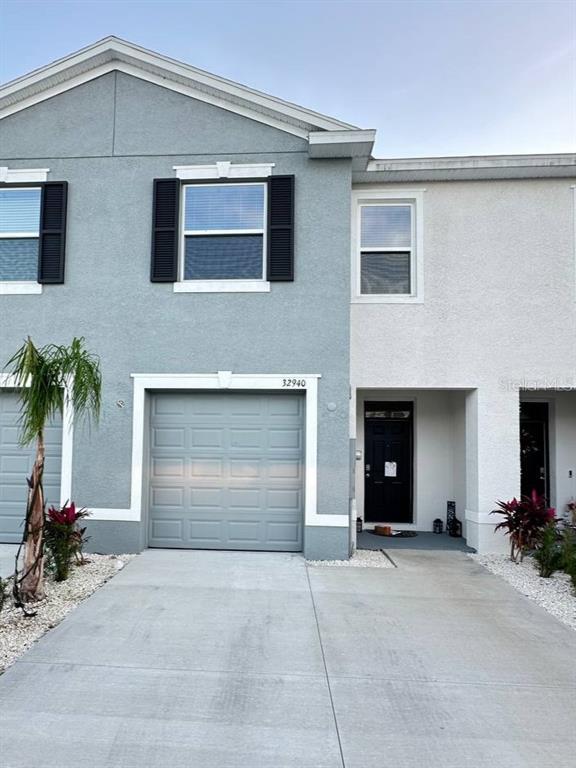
{"x": 386, "y": 249}
{"x": 19, "y": 233}
{"x": 224, "y": 231}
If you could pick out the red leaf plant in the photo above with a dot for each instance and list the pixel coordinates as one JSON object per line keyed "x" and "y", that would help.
{"x": 64, "y": 537}
{"x": 524, "y": 522}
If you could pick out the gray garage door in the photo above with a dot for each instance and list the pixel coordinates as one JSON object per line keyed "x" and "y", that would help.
{"x": 15, "y": 466}
{"x": 226, "y": 471}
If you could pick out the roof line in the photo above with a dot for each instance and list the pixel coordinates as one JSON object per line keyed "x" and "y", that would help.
{"x": 472, "y": 161}
{"x": 115, "y": 45}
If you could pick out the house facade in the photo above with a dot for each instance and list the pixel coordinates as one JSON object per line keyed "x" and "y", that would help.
{"x": 291, "y": 333}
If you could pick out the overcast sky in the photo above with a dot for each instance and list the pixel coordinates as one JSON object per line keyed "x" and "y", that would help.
{"x": 435, "y": 77}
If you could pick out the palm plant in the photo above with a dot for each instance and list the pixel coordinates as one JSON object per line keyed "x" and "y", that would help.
{"x": 48, "y": 378}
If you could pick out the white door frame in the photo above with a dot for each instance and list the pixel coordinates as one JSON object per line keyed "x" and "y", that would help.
{"x": 223, "y": 381}
{"x": 8, "y": 381}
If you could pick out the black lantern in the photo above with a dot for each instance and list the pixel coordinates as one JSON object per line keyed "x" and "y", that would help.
{"x": 358, "y": 525}
{"x": 438, "y": 526}
{"x": 453, "y": 525}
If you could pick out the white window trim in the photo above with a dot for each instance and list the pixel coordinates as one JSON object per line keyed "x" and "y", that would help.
{"x": 260, "y": 285}
{"x": 222, "y": 381}
{"x": 23, "y": 175}
{"x": 400, "y": 196}
{"x": 224, "y": 170}
{"x": 222, "y": 286}
{"x": 20, "y": 287}
{"x": 9, "y": 382}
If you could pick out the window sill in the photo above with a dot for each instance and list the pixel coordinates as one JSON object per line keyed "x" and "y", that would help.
{"x": 14, "y": 287}
{"x": 383, "y": 299}
{"x": 222, "y": 286}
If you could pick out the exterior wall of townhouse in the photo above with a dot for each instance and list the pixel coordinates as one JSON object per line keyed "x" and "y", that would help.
{"x": 498, "y": 316}
{"x": 109, "y": 139}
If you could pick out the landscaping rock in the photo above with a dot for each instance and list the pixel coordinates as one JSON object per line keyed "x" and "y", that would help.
{"x": 362, "y": 558}
{"x": 555, "y": 594}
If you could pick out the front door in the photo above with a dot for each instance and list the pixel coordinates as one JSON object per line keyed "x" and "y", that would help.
{"x": 388, "y": 462}
{"x": 534, "y": 458}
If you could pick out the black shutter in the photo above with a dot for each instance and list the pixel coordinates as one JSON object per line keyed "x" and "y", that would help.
{"x": 165, "y": 231}
{"x": 281, "y": 228}
{"x": 52, "y": 241}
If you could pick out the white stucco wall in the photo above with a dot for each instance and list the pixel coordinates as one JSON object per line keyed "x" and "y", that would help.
{"x": 499, "y": 314}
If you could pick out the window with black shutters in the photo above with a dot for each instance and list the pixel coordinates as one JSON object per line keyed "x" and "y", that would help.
{"x": 223, "y": 235}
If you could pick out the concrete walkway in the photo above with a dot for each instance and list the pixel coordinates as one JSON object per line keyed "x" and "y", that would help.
{"x": 237, "y": 660}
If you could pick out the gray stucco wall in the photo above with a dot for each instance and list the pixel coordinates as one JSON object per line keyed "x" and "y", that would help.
{"x": 109, "y": 139}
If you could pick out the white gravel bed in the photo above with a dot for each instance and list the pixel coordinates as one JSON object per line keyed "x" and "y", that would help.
{"x": 555, "y": 594}
{"x": 362, "y": 558}
{"x": 18, "y": 632}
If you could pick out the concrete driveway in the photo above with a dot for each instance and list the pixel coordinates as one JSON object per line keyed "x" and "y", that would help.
{"x": 228, "y": 660}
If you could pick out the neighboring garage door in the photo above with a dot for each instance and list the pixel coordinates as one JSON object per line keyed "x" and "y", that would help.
{"x": 16, "y": 464}
{"x": 227, "y": 471}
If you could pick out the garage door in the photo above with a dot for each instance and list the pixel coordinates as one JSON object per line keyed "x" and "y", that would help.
{"x": 16, "y": 464}
{"x": 226, "y": 471}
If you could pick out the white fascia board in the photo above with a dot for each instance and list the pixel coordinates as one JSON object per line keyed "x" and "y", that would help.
{"x": 471, "y": 162}
{"x": 120, "y": 51}
{"x": 326, "y": 144}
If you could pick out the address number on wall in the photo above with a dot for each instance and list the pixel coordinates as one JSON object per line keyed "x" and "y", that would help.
{"x": 294, "y": 383}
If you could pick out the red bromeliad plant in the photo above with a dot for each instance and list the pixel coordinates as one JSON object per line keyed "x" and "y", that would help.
{"x": 524, "y": 522}
{"x": 64, "y": 538}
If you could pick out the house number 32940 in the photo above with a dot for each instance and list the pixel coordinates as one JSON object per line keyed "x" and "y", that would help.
{"x": 294, "y": 383}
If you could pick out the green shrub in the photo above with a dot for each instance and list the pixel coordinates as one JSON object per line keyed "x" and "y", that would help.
{"x": 568, "y": 554}
{"x": 548, "y": 553}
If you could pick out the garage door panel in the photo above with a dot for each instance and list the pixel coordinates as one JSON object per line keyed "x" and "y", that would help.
{"x": 204, "y": 532}
{"x": 203, "y": 498}
{"x": 167, "y": 530}
{"x": 164, "y": 437}
{"x": 285, "y": 469}
{"x": 240, "y": 468}
{"x": 205, "y": 469}
{"x": 167, "y": 467}
{"x": 283, "y": 439}
{"x": 16, "y": 464}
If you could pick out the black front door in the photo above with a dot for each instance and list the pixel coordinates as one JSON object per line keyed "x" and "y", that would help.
{"x": 534, "y": 460}
{"x": 388, "y": 462}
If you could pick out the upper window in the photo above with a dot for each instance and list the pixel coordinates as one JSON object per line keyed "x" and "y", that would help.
{"x": 19, "y": 233}
{"x": 224, "y": 228}
{"x": 387, "y": 245}
{"x": 386, "y": 249}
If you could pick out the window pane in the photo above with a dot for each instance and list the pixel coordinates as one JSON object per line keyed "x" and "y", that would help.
{"x": 19, "y": 210}
{"x": 18, "y": 259}
{"x": 385, "y": 272}
{"x": 233, "y": 257}
{"x": 224, "y": 206}
{"x": 386, "y": 226}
